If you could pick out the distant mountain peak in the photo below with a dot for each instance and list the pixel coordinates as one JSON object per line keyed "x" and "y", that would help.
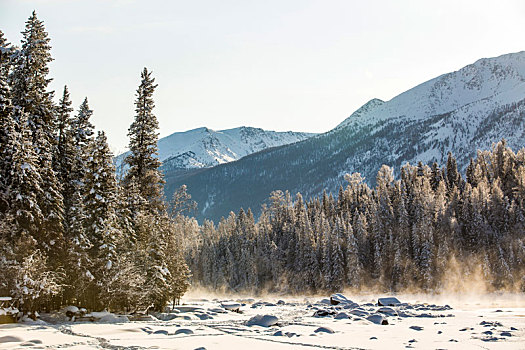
{"x": 366, "y": 108}
{"x": 204, "y": 147}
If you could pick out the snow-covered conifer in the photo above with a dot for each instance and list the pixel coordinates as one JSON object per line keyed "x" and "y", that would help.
{"x": 143, "y": 162}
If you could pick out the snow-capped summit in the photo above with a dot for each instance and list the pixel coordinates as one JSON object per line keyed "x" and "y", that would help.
{"x": 204, "y": 147}
{"x": 492, "y": 81}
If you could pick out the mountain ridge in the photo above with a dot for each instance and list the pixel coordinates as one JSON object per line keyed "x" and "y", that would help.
{"x": 460, "y": 112}
{"x": 203, "y": 147}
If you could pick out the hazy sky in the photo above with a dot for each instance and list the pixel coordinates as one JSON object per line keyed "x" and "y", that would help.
{"x": 281, "y": 65}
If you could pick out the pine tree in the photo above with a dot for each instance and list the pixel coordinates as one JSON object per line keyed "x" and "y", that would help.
{"x": 29, "y": 78}
{"x": 353, "y": 265}
{"x": 452, "y": 175}
{"x": 179, "y": 273}
{"x": 100, "y": 189}
{"x": 101, "y": 227}
{"x": 24, "y": 186}
{"x": 81, "y": 126}
{"x": 63, "y": 157}
{"x": 29, "y": 90}
{"x": 8, "y": 128}
{"x": 338, "y": 260}
{"x": 143, "y": 163}
{"x": 81, "y": 135}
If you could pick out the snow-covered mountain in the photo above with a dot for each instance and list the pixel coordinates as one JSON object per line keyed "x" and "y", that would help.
{"x": 460, "y": 112}
{"x": 204, "y": 148}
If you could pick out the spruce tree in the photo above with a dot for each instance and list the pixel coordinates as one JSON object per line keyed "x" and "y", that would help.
{"x": 81, "y": 134}
{"x": 100, "y": 199}
{"x": 24, "y": 186}
{"x": 29, "y": 90}
{"x": 100, "y": 192}
{"x": 143, "y": 162}
{"x": 7, "y": 124}
{"x": 29, "y": 78}
{"x": 63, "y": 157}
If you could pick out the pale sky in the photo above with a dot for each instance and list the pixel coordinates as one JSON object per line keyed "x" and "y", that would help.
{"x": 280, "y": 65}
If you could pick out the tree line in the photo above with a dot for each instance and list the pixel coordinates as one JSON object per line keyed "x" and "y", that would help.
{"x": 430, "y": 230}
{"x": 70, "y": 232}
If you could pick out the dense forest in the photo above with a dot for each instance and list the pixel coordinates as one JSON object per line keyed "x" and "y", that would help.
{"x": 70, "y": 233}
{"x": 430, "y": 230}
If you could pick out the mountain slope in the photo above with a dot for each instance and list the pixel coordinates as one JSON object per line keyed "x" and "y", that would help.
{"x": 459, "y": 112}
{"x": 204, "y": 148}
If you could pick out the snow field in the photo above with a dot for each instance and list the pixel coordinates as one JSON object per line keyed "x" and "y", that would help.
{"x": 290, "y": 323}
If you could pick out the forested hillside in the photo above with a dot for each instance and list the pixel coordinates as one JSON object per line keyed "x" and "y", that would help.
{"x": 430, "y": 230}
{"x": 70, "y": 233}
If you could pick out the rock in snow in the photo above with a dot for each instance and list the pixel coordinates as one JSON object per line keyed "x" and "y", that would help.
{"x": 390, "y": 301}
{"x": 387, "y": 311}
{"x": 336, "y": 299}
{"x": 262, "y": 320}
{"x": 377, "y": 319}
{"x": 231, "y": 306}
{"x": 341, "y": 316}
{"x": 323, "y": 313}
{"x": 324, "y": 330}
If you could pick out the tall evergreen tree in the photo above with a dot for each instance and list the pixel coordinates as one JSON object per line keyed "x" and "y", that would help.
{"x": 143, "y": 162}
{"x": 100, "y": 202}
{"x": 24, "y": 187}
{"x": 29, "y": 81}
{"x": 63, "y": 156}
{"x": 7, "y": 123}
{"x": 29, "y": 78}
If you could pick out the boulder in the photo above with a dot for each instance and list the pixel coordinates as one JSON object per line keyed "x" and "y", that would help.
{"x": 377, "y": 319}
{"x": 323, "y": 313}
{"x": 341, "y": 316}
{"x": 262, "y": 320}
{"x": 338, "y": 298}
{"x": 183, "y": 331}
{"x": 387, "y": 311}
{"x": 235, "y": 307}
{"x": 359, "y": 312}
{"x": 389, "y": 301}
{"x": 324, "y": 330}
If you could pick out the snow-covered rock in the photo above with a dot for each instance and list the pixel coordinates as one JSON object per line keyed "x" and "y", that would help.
{"x": 231, "y": 306}
{"x": 262, "y": 320}
{"x": 324, "y": 330}
{"x": 389, "y": 301}
{"x": 341, "y": 316}
{"x": 336, "y": 299}
{"x": 387, "y": 311}
{"x": 359, "y": 312}
{"x": 377, "y": 319}
{"x": 71, "y": 308}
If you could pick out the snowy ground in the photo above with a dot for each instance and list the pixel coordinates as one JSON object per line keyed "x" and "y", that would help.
{"x": 422, "y": 322}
